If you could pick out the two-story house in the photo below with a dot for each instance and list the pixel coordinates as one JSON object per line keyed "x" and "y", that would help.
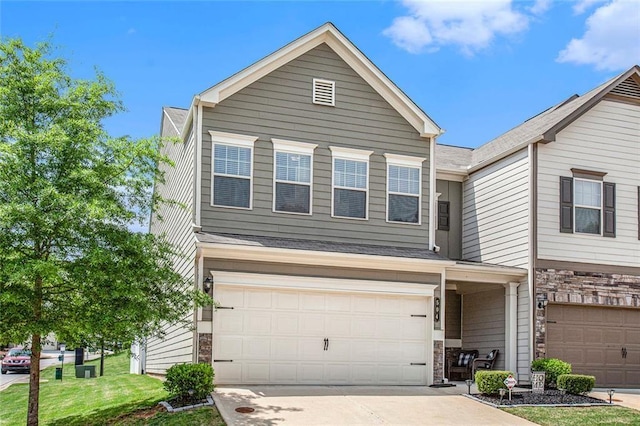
{"x": 559, "y": 195}
{"x": 309, "y": 186}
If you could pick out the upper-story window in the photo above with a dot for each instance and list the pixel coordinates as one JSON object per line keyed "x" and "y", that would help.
{"x": 404, "y": 182}
{"x": 587, "y": 204}
{"x": 293, "y": 176}
{"x": 232, "y": 170}
{"x": 350, "y": 190}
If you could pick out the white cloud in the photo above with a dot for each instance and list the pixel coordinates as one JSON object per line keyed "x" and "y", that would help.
{"x": 610, "y": 41}
{"x": 581, "y": 6}
{"x": 541, "y": 6}
{"x": 470, "y": 24}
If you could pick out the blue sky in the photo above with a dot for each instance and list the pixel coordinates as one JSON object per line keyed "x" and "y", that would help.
{"x": 477, "y": 68}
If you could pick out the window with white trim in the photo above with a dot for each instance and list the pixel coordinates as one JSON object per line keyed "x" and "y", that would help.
{"x": 350, "y": 183}
{"x": 232, "y": 159}
{"x": 293, "y": 176}
{"x": 587, "y": 206}
{"x": 404, "y": 182}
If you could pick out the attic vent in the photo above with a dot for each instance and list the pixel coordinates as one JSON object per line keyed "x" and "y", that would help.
{"x": 324, "y": 92}
{"x": 629, "y": 88}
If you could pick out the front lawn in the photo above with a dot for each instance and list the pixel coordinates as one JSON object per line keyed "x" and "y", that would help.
{"x": 577, "y": 416}
{"x": 116, "y": 398}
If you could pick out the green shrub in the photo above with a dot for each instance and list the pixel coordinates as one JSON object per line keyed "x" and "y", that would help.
{"x": 184, "y": 379}
{"x": 576, "y": 383}
{"x": 553, "y": 367}
{"x": 488, "y": 382}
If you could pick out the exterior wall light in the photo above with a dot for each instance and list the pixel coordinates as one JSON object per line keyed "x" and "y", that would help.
{"x": 207, "y": 284}
{"x": 542, "y": 301}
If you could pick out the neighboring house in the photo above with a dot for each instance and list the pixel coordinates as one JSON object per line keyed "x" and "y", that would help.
{"x": 559, "y": 196}
{"x": 310, "y": 188}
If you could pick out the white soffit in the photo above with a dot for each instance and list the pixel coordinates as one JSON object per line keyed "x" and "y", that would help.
{"x": 328, "y": 34}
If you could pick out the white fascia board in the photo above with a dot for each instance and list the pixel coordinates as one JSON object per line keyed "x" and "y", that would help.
{"x": 321, "y": 284}
{"x": 350, "y": 54}
{"x": 321, "y": 258}
{"x": 485, "y": 274}
{"x": 506, "y": 153}
{"x": 451, "y": 175}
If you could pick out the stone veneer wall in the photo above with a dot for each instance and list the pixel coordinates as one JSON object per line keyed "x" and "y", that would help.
{"x": 584, "y": 288}
{"x": 438, "y": 361}
{"x": 204, "y": 347}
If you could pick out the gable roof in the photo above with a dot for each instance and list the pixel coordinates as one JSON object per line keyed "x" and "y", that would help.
{"x": 330, "y": 35}
{"x": 544, "y": 126}
{"x": 177, "y": 118}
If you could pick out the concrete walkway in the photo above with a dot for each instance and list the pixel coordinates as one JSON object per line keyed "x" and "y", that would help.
{"x": 629, "y": 398}
{"x": 356, "y": 405}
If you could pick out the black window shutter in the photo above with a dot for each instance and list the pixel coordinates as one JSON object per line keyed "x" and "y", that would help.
{"x": 566, "y": 204}
{"x": 609, "y": 213}
{"x": 443, "y": 215}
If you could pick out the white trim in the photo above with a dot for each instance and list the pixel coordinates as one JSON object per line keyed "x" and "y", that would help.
{"x": 328, "y": 34}
{"x": 407, "y": 163}
{"x": 321, "y": 81}
{"x": 404, "y": 160}
{"x": 349, "y": 154}
{"x": 321, "y": 258}
{"x": 171, "y": 121}
{"x": 231, "y": 139}
{"x": 511, "y": 327}
{"x": 322, "y": 284}
{"x": 299, "y": 148}
{"x": 432, "y": 193}
{"x": 451, "y": 175}
{"x": 582, "y": 206}
{"x": 198, "y": 168}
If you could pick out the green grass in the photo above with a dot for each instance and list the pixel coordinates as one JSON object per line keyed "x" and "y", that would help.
{"x": 117, "y": 398}
{"x": 578, "y": 416}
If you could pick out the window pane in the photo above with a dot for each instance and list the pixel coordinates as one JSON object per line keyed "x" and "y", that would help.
{"x": 405, "y": 180}
{"x": 292, "y": 198}
{"x": 351, "y": 174}
{"x": 232, "y": 160}
{"x": 293, "y": 167}
{"x": 587, "y": 220}
{"x": 403, "y": 208}
{"x": 349, "y": 203}
{"x": 588, "y": 193}
{"x": 229, "y": 191}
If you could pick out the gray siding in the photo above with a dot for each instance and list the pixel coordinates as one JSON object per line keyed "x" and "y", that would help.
{"x": 450, "y": 242}
{"x": 483, "y": 323}
{"x": 496, "y": 213}
{"x": 177, "y": 344}
{"x": 279, "y": 106}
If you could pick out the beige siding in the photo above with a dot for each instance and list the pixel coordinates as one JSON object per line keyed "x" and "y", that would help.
{"x": 495, "y": 213}
{"x": 279, "y": 106}
{"x": 524, "y": 333}
{"x": 606, "y": 139}
{"x": 177, "y": 344}
{"x": 450, "y": 242}
{"x": 483, "y": 323}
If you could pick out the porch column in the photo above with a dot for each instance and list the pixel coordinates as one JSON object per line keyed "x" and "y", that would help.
{"x": 511, "y": 327}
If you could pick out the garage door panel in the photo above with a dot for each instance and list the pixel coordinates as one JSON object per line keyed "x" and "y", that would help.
{"x": 591, "y": 338}
{"x": 278, "y": 336}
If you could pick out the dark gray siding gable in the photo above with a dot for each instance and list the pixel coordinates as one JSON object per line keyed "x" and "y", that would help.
{"x": 280, "y": 106}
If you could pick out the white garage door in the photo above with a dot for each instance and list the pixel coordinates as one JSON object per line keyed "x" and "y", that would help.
{"x": 312, "y": 337}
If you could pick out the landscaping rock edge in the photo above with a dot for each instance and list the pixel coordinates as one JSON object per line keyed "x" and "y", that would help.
{"x": 591, "y": 404}
{"x": 170, "y": 409}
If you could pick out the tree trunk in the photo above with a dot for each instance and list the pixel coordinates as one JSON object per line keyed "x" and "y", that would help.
{"x": 34, "y": 381}
{"x": 102, "y": 359}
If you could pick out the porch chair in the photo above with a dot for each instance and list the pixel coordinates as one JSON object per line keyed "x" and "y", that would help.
{"x": 462, "y": 363}
{"x": 484, "y": 363}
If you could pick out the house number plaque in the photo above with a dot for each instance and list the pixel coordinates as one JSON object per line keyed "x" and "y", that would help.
{"x": 537, "y": 381}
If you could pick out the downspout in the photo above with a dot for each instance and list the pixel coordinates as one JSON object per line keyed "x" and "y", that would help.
{"x": 198, "y": 162}
{"x": 533, "y": 213}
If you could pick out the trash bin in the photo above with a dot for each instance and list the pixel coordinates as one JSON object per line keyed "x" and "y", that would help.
{"x": 85, "y": 371}
{"x": 58, "y": 373}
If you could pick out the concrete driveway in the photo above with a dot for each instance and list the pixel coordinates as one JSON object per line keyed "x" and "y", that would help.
{"x": 356, "y": 405}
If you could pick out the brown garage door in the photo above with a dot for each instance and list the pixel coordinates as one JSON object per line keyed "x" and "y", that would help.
{"x": 603, "y": 342}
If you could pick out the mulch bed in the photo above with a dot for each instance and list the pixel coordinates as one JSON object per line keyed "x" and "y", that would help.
{"x": 549, "y": 397}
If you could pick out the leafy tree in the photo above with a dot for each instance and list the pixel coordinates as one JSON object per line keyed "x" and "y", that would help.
{"x": 68, "y": 192}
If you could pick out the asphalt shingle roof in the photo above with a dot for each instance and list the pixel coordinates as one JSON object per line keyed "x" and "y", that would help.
{"x": 178, "y": 116}
{"x": 315, "y": 245}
